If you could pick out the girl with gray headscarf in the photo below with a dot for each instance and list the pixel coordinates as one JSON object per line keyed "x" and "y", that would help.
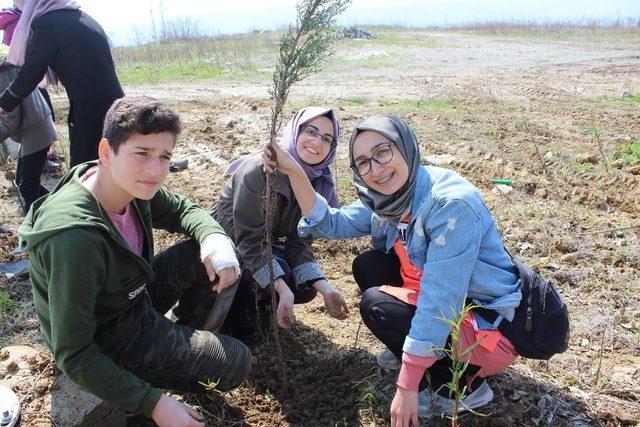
{"x": 435, "y": 245}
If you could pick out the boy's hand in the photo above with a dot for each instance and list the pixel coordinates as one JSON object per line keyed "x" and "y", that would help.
{"x": 227, "y": 277}
{"x": 219, "y": 259}
{"x": 168, "y": 412}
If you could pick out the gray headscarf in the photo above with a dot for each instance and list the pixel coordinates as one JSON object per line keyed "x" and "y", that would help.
{"x": 391, "y": 207}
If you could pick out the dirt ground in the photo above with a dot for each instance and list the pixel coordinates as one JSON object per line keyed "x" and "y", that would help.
{"x": 487, "y": 107}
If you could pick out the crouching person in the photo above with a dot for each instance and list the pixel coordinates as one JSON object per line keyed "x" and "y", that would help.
{"x": 101, "y": 294}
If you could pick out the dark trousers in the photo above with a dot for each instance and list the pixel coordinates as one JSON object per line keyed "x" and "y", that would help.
{"x": 85, "y": 130}
{"x": 388, "y": 318}
{"x": 28, "y": 175}
{"x": 177, "y": 355}
{"x": 251, "y": 304}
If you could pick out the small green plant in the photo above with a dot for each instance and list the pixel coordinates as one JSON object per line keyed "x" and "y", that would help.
{"x": 210, "y": 385}
{"x": 596, "y": 135}
{"x": 460, "y": 358}
{"x": 371, "y": 399}
{"x": 8, "y": 306}
{"x": 629, "y": 153}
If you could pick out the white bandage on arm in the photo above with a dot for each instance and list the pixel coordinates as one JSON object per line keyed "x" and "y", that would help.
{"x": 220, "y": 249}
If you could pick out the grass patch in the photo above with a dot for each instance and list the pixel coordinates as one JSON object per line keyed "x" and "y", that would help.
{"x": 8, "y": 306}
{"x": 629, "y": 153}
{"x": 429, "y": 105}
{"x": 354, "y": 100}
{"x": 229, "y": 57}
{"x": 628, "y": 100}
{"x": 160, "y": 73}
{"x": 583, "y": 167}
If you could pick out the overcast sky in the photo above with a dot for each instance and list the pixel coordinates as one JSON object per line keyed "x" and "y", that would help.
{"x": 122, "y": 18}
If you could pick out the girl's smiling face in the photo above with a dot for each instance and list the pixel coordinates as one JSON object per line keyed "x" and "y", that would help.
{"x": 315, "y": 140}
{"x": 379, "y": 162}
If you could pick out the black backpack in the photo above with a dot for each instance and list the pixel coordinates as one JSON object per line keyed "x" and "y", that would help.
{"x": 540, "y": 327}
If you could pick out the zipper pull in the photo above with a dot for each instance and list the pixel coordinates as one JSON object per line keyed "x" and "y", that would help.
{"x": 528, "y": 323}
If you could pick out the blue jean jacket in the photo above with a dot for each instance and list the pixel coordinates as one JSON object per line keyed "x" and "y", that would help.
{"x": 452, "y": 236}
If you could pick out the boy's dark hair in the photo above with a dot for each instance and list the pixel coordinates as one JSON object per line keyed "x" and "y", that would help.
{"x": 140, "y": 115}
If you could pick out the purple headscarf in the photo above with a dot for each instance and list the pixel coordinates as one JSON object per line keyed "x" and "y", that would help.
{"x": 319, "y": 175}
{"x": 31, "y": 10}
{"x": 8, "y": 20}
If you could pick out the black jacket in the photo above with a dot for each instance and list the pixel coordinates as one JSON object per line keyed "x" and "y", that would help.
{"x": 76, "y": 48}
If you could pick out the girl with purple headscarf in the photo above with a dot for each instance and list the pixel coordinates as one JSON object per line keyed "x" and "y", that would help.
{"x": 311, "y": 138}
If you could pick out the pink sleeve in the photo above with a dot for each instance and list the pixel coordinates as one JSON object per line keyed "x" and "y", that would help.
{"x": 412, "y": 370}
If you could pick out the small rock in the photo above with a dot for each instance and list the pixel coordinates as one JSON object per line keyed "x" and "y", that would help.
{"x": 588, "y": 158}
{"x": 625, "y": 94}
{"x": 562, "y": 245}
{"x": 42, "y": 386}
{"x": 517, "y": 395}
{"x": 569, "y": 259}
{"x": 618, "y": 164}
{"x": 32, "y": 360}
{"x": 207, "y": 129}
{"x": 12, "y": 367}
{"x": 542, "y": 193}
{"x": 4, "y": 354}
{"x": 584, "y": 343}
{"x": 439, "y": 159}
{"x": 548, "y": 155}
{"x": 178, "y": 165}
{"x": 231, "y": 124}
{"x": 620, "y": 378}
{"x": 502, "y": 189}
{"x": 254, "y": 107}
{"x": 635, "y": 170}
{"x": 627, "y": 370}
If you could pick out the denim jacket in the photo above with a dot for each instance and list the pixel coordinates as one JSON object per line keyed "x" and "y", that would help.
{"x": 452, "y": 236}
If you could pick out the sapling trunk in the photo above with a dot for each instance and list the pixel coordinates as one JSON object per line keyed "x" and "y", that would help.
{"x": 302, "y": 50}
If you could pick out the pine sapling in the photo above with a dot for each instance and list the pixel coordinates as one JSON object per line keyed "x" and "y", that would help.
{"x": 303, "y": 48}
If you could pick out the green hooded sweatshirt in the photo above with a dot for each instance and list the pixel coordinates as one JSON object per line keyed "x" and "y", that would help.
{"x": 89, "y": 287}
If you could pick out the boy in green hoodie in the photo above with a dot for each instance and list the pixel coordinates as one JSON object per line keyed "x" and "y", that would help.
{"x": 101, "y": 294}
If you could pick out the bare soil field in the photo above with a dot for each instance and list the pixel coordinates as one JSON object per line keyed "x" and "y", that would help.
{"x": 546, "y": 113}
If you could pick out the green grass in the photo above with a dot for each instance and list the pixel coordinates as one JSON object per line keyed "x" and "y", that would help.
{"x": 354, "y": 100}
{"x": 629, "y": 100}
{"x": 629, "y": 152}
{"x": 423, "y": 105}
{"x": 229, "y": 57}
{"x": 160, "y": 73}
{"x": 583, "y": 167}
{"x": 8, "y": 306}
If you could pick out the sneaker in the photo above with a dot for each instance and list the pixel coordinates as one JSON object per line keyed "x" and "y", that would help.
{"x": 50, "y": 166}
{"x": 425, "y": 402}
{"x": 388, "y": 360}
{"x": 479, "y": 397}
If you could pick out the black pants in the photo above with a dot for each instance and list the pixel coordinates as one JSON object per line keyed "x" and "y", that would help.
{"x": 388, "y": 318}
{"x": 177, "y": 355}
{"x": 86, "y": 120}
{"x": 251, "y": 304}
{"x": 28, "y": 175}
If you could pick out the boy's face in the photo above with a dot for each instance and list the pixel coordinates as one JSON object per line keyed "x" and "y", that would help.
{"x": 142, "y": 163}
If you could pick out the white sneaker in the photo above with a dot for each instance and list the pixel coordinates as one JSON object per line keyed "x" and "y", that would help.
{"x": 425, "y": 403}
{"x": 388, "y": 360}
{"x": 479, "y": 397}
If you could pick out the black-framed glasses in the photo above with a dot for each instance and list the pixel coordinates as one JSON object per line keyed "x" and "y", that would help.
{"x": 314, "y": 133}
{"x": 382, "y": 155}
